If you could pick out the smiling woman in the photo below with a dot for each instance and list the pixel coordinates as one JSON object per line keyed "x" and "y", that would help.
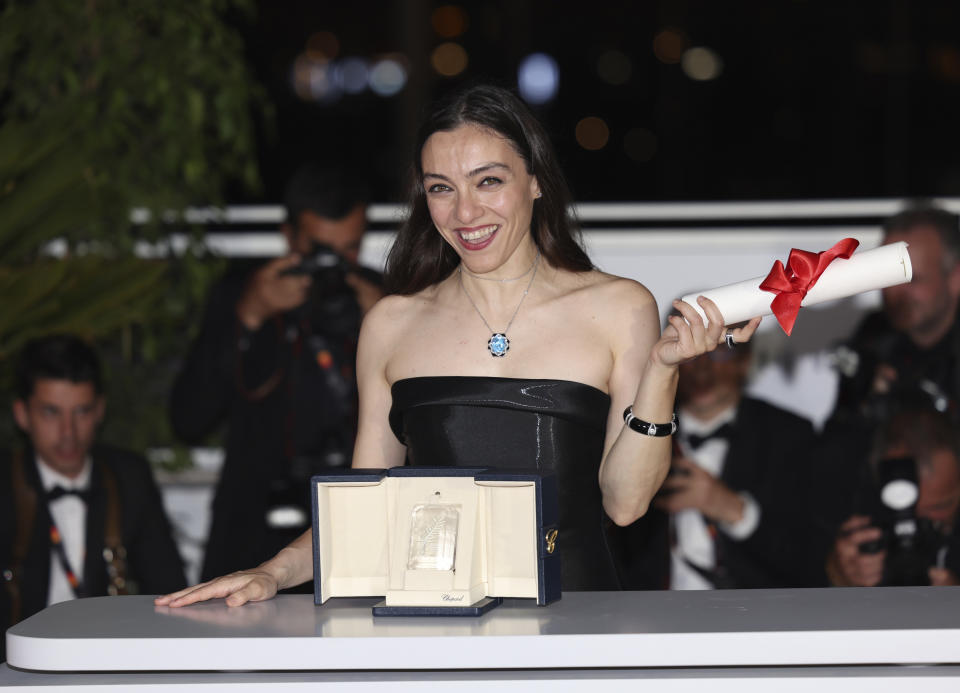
{"x": 495, "y": 119}
{"x": 490, "y": 248}
{"x": 497, "y": 191}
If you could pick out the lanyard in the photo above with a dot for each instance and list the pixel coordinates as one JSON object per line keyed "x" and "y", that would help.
{"x": 56, "y": 542}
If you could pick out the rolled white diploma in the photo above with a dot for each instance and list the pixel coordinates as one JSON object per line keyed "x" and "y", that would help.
{"x": 866, "y": 270}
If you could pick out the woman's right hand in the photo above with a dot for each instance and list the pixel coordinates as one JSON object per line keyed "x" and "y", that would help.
{"x": 238, "y": 588}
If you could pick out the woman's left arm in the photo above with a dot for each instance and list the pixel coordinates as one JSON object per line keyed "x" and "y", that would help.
{"x": 644, "y": 376}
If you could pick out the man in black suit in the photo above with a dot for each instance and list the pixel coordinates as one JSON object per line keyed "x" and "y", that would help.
{"x": 77, "y": 519}
{"x": 732, "y": 513}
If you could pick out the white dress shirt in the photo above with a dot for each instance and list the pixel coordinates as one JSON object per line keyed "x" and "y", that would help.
{"x": 69, "y": 513}
{"x": 693, "y": 541}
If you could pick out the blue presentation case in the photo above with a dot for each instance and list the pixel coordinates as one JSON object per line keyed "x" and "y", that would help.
{"x": 365, "y": 538}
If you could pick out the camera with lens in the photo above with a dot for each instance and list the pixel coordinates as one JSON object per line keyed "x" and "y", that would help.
{"x": 912, "y": 385}
{"x": 912, "y": 544}
{"x": 331, "y": 302}
{"x": 325, "y": 266}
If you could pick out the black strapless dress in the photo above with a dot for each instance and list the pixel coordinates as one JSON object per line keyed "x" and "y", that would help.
{"x": 553, "y": 425}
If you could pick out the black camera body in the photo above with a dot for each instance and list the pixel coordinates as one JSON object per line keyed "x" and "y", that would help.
{"x": 331, "y": 304}
{"x": 912, "y": 544}
{"x": 917, "y": 382}
{"x": 324, "y": 265}
{"x": 910, "y": 563}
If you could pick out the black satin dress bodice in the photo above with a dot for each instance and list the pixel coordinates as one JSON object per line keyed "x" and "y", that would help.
{"x": 553, "y": 425}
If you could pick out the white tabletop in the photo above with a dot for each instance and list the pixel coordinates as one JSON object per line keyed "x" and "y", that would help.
{"x": 902, "y": 625}
{"x": 869, "y": 679}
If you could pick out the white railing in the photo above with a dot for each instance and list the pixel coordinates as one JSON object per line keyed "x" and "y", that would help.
{"x": 592, "y": 212}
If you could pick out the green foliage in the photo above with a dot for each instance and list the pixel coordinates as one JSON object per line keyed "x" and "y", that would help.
{"x": 156, "y": 95}
{"x": 107, "y": 106}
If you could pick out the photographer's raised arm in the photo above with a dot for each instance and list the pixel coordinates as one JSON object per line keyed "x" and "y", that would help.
{"x": 270, "y": 292}
{"x": 207, "y": 381}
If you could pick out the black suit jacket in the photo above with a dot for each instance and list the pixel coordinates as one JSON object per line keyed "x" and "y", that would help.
{"x": 769, "y": 458}
{"x": 860, "y": 411}
{"x": 283, "y": 413}
{"x": 153, "y": 563}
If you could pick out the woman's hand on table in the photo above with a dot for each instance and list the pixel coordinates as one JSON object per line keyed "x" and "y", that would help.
{"x": 238, "y": 588}
{"x": 685, "y": 337}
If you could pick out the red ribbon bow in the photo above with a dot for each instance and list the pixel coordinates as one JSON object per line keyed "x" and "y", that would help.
{"x": 791, "y": 283}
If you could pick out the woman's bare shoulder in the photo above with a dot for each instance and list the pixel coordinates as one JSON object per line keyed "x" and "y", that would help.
{"x": 394, "y": 309}
{"x": 622, "y": 311}
{"x": 382, "y": 327}
{"x": 615, "y": 293}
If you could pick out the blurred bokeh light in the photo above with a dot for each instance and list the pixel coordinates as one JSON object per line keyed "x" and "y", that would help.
{"x": 946, "y": 61}
{"x": 592, "y": 133}
{"x": 669, "y": 45}
{"x": 351, "y": 74}
{"x": 313, "y": 79}
{"x": 449, "y": 59}
{"x": 538, "y": 78}
{"x": 449, "y": 21}
{"x": 701, "y": 64}
{"x": 388, "y": 76}
{"x": 323, "y": 45}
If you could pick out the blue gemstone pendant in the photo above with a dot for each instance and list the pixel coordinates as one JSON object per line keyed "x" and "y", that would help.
{"x": 498, "y": 344}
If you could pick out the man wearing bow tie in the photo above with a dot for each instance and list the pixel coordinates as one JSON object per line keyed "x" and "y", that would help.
{"x": 76, "y": 519}
{"x": 737, "y": 516}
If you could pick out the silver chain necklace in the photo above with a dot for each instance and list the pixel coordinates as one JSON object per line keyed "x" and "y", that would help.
{"x": 504, "y": 281}
{"x": 498, "y": 344}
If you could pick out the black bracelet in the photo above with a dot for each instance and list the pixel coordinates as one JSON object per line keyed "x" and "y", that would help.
{"x": 649, "y": 429}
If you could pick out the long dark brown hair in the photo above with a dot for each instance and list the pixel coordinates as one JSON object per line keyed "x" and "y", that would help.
{"x": 420, "y": 257}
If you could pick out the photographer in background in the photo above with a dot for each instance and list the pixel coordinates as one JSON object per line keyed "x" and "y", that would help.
{"x": 275, "y": 358}
{"x": 915, "y": 341}
{"x": 911, "y": 346}
{"x": 903, "y": 533}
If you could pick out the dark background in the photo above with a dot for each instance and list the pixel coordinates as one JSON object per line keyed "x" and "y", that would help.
{"x": 815, "y": 99}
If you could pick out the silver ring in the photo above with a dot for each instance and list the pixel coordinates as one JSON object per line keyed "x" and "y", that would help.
{"x": 728, "y": 338}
